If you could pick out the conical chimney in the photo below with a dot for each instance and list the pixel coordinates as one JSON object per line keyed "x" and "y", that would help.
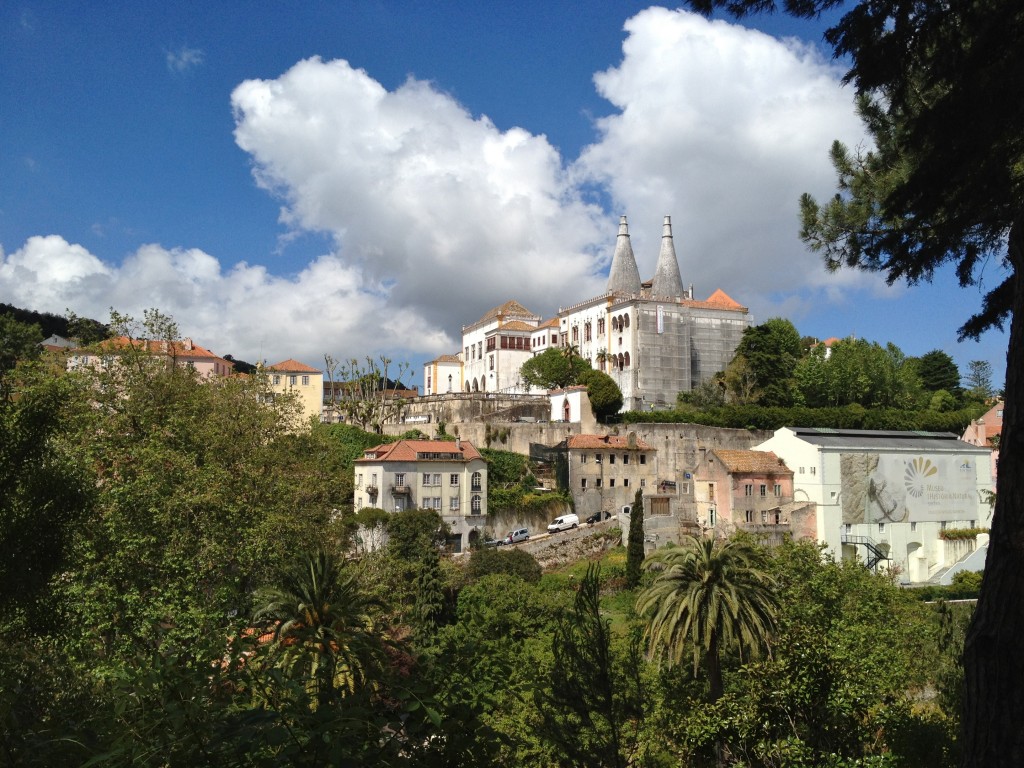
{"x": 623, "y": 277}
{"x": 667, "y": 284}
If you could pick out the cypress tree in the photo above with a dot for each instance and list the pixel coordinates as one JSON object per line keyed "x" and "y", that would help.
{"x": 635, "y": 543}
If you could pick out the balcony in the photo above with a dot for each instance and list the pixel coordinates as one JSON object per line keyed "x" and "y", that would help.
{"x": 371, "y": 490}
{"x": 401, "y": 490}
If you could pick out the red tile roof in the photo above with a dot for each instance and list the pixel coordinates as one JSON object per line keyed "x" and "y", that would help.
{"x": 614, "y": 442}
{"x": 292, "y": 366}
{"x": 717, "y": 300}
{"x": 411, "y": 450}
{"x": 752, "y": 462}
{"x": 446, "y": 359}
{"x": 517, "y": 325}
{"x": 182, "y": 348}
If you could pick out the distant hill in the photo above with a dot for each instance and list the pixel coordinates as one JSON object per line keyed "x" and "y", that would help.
{"x": 84, "y": 329}
{"x": 52, "y": 325}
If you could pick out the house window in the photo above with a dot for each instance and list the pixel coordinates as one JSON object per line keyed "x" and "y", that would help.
{"x": 764, "y": 489}
{"x": 748, "y": 489}
{"x": 764, "y": 517}
{"x": 600, "y": 326}
{"x": 490, "y": 360}
{"x": 453, "y": 504}
{"x": 881, "y": 527}
{"x": 801, "y": 470}
{"x": 426, "y": 478}
{"x": 814, "y": 470}
{"x": 453, "y": 479}
{"x": 611, "y": 483}
{"x": 476, "y": 480}
{"x": 586, "y": 331}
{"x": 583, "y": 458}
{"x": 305, "y": 381}
{"x": 712, "y": 516}
{"x": 277, "y": 379}
{"x": 749, "y": 515}
{"x": 292, "y": 380}
{"x": 599, "y": 482}
{"x": 625, "y": 482}
{"x": 437, "y": 479}
{"x": 465, "y": 355}
{"x": 400, "y": 479}
{"x": 611, "y": 458}
{"x": 778, "y": 517}
{"x": 625, "y": 459}
{"x": 575, "y": 334}
{"x": 359, "y": 480}
{"x": 475, "y": 505}
{"x": 913, "y": 526}
{"x": 684, "y": 488}
{"x": 643, "y": 482}
{"x": 373, "y": 480}
{"x": 583, "y": 483}
{"x": 643, "y": 458}
{"x": 711, "y": 491}
{"x": 778, "y": 489}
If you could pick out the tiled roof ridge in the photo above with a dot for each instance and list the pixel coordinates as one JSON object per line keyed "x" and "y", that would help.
{"x": 292, "y": 365}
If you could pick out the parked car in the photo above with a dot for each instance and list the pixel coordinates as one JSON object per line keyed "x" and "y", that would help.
{"x": 493, "y": 542}
{"x": 564, "y": 523}
{"x": 520, "y": 534}
{"x": 598, "y": 516}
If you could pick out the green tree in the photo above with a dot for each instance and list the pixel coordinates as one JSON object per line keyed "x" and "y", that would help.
{"x": 595, "y": 710}
{"x": 771, "y": 351}
{"x": 979, "y": 379}
{"x": 635, "y": 543}
{"x": 324, "y": 628}
{"x": 553, "y": 368}
{"x": 937, "y": 189}
{"x": 431, "y": 603}
{"x": 496, "y": 560}
{"x": 602, "y": 391}
{"x": 18, "y": 342}
{"x": 938, "y": 371}
{"x": 708, "y": 595}
{"x": 855, "y": 371}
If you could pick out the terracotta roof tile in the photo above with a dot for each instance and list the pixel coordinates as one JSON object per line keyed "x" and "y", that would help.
{"x": 447, "y": 359}
{"x": 513, "y": 308}
{"x": 717, "y": 300}
{"x": 752, "y": 461}
{"x": 292, "y": 366}
{"x": 517, "y": 325}
{"x": 614, "y": 442}
{"x": 183, "y": 348}
{"x": 408, "y": 450}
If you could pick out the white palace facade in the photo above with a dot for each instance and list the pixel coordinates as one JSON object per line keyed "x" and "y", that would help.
{"x": 653, "y": 338}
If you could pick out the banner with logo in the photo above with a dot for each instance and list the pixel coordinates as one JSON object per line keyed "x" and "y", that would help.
{"x": 898, "y": 488}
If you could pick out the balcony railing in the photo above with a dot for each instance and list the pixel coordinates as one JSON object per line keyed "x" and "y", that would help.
{"x": 401, "y": 490}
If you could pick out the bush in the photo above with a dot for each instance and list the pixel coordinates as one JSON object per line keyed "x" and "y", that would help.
{"x": 511, "y": 562}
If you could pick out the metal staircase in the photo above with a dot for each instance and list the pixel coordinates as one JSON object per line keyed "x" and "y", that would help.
{"x": 875, "y": 555}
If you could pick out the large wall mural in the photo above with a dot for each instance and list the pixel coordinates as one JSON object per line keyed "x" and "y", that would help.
{"x": 898, "y": 488}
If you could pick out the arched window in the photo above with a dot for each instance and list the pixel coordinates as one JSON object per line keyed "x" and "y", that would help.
{"x": 625, "y": 358}
{"x": 476, "y": 385}
{"x": 468, "y": 388}
{"x": 475, "y": 505}
{"x": 622, "y": 360}
{"x": 566, "y": 410}
{"x": 476, "y": 482}
{"x": 626, "y": 319}
{"x": 449, "y": 382}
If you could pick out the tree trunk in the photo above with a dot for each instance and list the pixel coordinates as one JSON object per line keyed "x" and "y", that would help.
{"x": 992, "y": 729}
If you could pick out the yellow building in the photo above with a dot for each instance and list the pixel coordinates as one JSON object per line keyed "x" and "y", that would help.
{"x": 302, "y": 381}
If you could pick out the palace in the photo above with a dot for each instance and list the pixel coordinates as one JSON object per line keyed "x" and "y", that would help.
{"x": 652, "y": 337}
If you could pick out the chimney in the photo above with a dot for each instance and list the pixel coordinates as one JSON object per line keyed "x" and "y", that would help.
{"x": 188, "y": 343}
{"x": 458, "y": 444}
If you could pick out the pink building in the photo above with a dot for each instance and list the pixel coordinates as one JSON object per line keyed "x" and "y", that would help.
{"x": 184, "y": 353}
{"x": 985, "y": 432}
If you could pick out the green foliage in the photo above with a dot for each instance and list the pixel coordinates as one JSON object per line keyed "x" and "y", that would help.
{"x": 764, "y": 363}
{"x": 961, "y": 534}
{"x": 635, "y": 543}
{"x": 594, "y": 712}
{"x": 938, "y": 371}
{"x": 412, "y": 532}
{"x": 551, "y": 369}
{"x": 508, "y": 562}
{"x": 18, "y": 341}
{"x": 848, "y": 417}
{"x": 602, "y": 391}
{"x": 709, "y": 596}
{"x": 857, "y": 371}
{"x": 979, "y": 379}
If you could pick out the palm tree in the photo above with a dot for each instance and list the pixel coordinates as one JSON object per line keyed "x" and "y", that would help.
{"x": 709, "y": 594}
{"x": 324, "y": 628}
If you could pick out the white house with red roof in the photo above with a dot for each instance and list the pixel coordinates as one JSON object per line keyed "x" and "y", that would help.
{"x": 448, "y": 476}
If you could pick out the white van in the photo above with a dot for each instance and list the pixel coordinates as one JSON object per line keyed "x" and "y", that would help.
{"x": 564, "y": 523}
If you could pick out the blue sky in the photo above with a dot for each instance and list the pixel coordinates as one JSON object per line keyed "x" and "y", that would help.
{"x": 295, "y": 179}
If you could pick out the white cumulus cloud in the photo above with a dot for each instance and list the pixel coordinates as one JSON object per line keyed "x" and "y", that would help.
{"x": 723, "y": 128}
